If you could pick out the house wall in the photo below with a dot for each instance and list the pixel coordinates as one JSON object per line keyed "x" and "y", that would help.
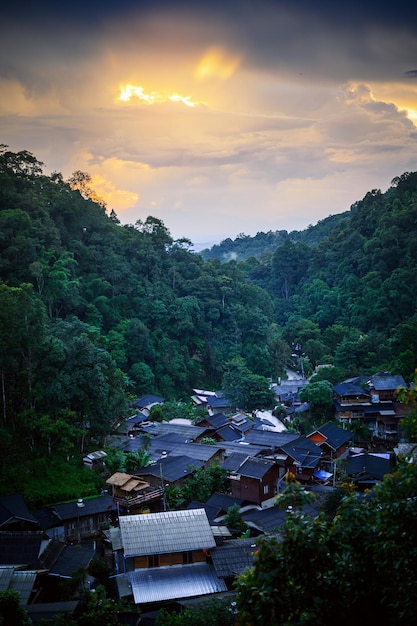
{"x": 172, "y": 558}
{"x": 254, "y": 489}
{"x": 84, "y": 526}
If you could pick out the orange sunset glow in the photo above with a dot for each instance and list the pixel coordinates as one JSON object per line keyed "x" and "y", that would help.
{"x": 217, "y": 118}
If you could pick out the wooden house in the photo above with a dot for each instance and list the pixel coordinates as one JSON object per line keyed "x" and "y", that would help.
{"x": 333, "y": 440}
{"x": 165, "y": 556}
{"x": 255, "y": 480}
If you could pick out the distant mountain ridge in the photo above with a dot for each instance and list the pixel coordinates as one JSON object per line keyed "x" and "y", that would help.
{"x": 246, "y": 246}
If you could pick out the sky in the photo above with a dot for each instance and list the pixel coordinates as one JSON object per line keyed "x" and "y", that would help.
{"x": 219, "y": 118}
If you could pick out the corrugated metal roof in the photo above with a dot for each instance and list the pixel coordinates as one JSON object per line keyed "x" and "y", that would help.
{"x": 233, "y": 556}
{"x": 6, "y": 574}
{"x": 162, "y": 533}
{"x": 174, "y": 582}
{"x": 23, "y": 583}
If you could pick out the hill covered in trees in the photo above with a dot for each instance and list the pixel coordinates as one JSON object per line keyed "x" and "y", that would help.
{"x": 94, "y": 313}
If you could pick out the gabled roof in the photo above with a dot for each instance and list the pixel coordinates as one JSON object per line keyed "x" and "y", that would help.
{"x": 349, "y": 389}
{"x": 189, "y": 431}
{"x": 20, "y": 548}
{"x": 368, "y": 465}
{"x": 223, "y": 501}
{"x": 127, "y": 482}
{"x": 232, "y": 557}
{"x": 89, "y": 506}
{"x": 304, "y": 452}
{"x": 22, "y": 582}
{"x": 197, "y": 451}
{"x": 172, "y": 468}
{"x": 255, "y": 468}
{"x": 229, "y": 433}
{"x": 163, "y": 533}
{"x": 241, "y": 422}
{"x": 147, "y": 401}
{"x": 13, "y": 510}
{"x": 335, "y": 437}
{"x": 386, "y": 382}
{"x": 234, "y": 461}
{"x": 270, "y": 439}
{"x": 217, "y": 420}
{"x": 244, "y": 447}
{"x": 72, "y": 558}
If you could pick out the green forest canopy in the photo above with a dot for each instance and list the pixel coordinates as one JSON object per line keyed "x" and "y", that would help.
{"x": 94, "y": 312}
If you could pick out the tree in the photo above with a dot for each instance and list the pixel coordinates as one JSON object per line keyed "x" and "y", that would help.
{"x": 320, "y": 398}
{"x": 233, "y": 519}
{"x": 244, "y": 389}
{"x": 213, "y": 612}
{"x": 11, "y": 611}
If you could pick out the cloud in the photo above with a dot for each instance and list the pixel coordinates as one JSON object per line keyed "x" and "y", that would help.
{"x": 300, "y": 108}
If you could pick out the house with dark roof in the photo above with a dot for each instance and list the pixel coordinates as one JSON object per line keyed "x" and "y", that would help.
{"x": 215, "y": 421}
{"x": 385, "y": 386}
{"x": 232, "y": 557}
{"x": 255, "y": 480}
{"x": 368, "y": 468}
{"x": 82, "y": 518}
{"x": 301, "y": 457}
{"x": 171, "y": 471}
{"x": 332, "y": 439}
{"x": 165, "y": 557}
{"x": 374, "y": 407}
{"x": 147, "y": 401}
{"x": 227, "y": 433}
{"x": 15, "y": 515}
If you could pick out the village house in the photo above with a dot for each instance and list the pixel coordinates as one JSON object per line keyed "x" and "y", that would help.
{"x": 333, "y": 440}
{"x": 132, "y": 494}
{"x": 82, "y": 518}
{"x": 164, "y": 557}
{"x": 375, "y": 406}
{"x": 253, "y": 480}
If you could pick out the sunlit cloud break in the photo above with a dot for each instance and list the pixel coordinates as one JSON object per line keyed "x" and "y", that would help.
{"x": 127, "y": 92}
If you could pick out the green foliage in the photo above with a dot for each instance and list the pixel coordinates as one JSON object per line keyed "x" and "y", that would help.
{"x": 206, "y": 613}
{"x": 11, "y": 611}
{"x": 200, "y": 486}
{"x": 244, "y": 389}
{"x": 355, "y": 564}
{"x": 319, "y": 395}
{"x": 233, "y": 519}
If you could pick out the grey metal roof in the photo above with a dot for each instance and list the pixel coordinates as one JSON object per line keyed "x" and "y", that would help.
{"x": 234, "y": 461}
{"x": 162, "y": 533}
{"x": 172, "y": 468}
{"x": 6, "y": 574}
{"x": 229, "y": 433}
{"x": 240, "y": 446}
{"x": 269, "y": 439}
{"x": 72, "y": 558}
{"x": 50, "y": 610}
{"x": 174, "y": 582}
{"x": 383, "y": 382}
{"x": 23, "y": 582}
{"x": 233, "y": 556}
{"x": 90, "y": 506}
{"x": 223, "y": 501}
{"x": 255, "y": 468}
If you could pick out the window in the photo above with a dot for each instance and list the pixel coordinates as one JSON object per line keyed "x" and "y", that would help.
{"x": 266, "y": 489}
{"x": 187, "y": 557}
{"x": 153, "y": 560}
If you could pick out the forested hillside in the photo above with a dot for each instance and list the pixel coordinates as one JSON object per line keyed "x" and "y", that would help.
{"x": 94, "y": 312}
